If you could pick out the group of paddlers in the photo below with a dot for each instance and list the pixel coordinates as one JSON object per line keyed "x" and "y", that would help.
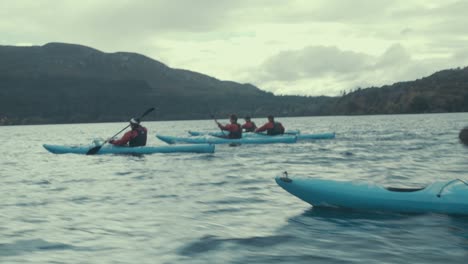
{"x": 235, "y": 129}
{"x": 138, "y": 134}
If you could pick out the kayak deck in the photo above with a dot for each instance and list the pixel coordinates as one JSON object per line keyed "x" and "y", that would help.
{"x": 110, "y": 149}
{"x": 296, "y": 133}
{"x": 439, "y": 197}
{"x": 218, "y": 140}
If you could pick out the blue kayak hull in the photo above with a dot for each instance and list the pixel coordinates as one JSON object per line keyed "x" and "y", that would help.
{"x": 316, "y": 136}
{"x": 440, "y": 197}
{"x": 110, "y": 149}
{"x": 219, "y": 133}
{"x": 250, "y": 134}
{"x": 217, "y": 140}
{"x": 304, "y": 136}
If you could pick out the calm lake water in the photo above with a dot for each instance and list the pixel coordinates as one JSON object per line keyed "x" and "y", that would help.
{"x": 226, "y": 207}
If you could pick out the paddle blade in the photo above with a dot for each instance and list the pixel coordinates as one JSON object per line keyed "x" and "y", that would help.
{"x": 94, "y": 150}
{"x": 147, "y": 112}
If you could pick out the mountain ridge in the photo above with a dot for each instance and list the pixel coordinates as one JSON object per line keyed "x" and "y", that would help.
{"x": 70, "y": 83}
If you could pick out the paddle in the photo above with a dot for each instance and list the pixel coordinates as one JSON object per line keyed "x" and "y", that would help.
{"x": 216, "y": 121}
{"x": 95, "y": 149}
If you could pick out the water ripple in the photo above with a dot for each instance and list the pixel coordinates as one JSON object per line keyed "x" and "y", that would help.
{"x": 20, "y": 247}
{"x": 225, "y": 207}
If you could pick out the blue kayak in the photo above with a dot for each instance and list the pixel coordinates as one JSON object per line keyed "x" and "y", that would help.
{"x": 316, "y": 136}
{"x": 217, "y": 140}
{"x": 299, "y": 136}
{"x": 111, "y": 149}
{"x": 440, "y": 197}
{"x": 244, "y": 134}
{"x": 251, "y": 134}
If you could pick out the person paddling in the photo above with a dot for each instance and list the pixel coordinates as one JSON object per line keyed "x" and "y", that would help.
{"x": 133, "y": 138}
{"x": 271, "y": 127}
{"x": 249, "y": 126}
{"x": 235, "y": 130}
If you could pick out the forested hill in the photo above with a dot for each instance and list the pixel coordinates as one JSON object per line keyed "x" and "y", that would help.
{"x": 67, "y": 83}
{"x": 442, "y": 92}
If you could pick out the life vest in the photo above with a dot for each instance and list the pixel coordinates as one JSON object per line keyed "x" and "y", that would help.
{"x": 249, "y": 127}
{"x": 236, "y": 134}
{"x": 140, "y": 139}
{"x": 277, "y": 129}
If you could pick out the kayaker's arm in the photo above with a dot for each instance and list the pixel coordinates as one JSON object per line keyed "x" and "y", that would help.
{"x": 264, "y": 127}
{"x": 124, "y": 140}
{"x": 226, "y": 127}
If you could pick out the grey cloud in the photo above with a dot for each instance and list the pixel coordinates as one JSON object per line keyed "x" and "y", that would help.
{"x": 317, "y": 11}
{"x": 448, "y": 18}
{"x": 313, "y": 61}
{"x": 116, "y": 20}
{"x": 394, "y": 55}
{"x": 330, "y": 70}
{"x": 165, "y": 15}
{"x": 425, "y": 9}
{"x": 460, "y": 57}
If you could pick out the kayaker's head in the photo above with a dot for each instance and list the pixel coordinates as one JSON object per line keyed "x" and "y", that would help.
{"x": 247, "y": 118}
{"x": 463, "y": 136}
{"x": 271, "y": 118}
{"x": 134, "y": 122}
{"x": 233, "y": 118}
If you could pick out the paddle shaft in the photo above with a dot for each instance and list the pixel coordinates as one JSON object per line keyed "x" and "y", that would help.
{"x": 117, "y": 133}
{"x": 216, "y": 121}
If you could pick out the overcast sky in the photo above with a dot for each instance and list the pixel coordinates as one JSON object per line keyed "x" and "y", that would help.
{"x": 301, "y": 47}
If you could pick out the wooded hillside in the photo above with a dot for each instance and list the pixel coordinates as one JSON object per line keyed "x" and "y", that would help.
{"x": 67, "y": 83}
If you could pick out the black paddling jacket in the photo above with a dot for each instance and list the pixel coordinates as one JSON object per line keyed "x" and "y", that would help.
{"x": 139, "y": 138}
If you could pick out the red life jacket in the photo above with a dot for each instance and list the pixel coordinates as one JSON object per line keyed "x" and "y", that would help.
{"x": 237, "y": 133}
{"x": 249, "y": 126}
{"x": 277, "y": 129}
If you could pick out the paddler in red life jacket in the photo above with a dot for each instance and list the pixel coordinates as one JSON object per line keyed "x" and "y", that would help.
{"x": 249, "y": 126}
{"x": 235, "y": 130}
{"x": 272, "y": 128}
{"x": 133, "y": 138}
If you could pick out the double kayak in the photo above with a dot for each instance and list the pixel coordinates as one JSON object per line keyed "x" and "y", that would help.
{"x": 111, "y": 149}
{"x": 251, "y": 134}
{"x": 449, "y": 197}
{"x": 218, "y": 140}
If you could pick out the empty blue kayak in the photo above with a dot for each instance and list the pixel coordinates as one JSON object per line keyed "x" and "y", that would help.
{"x": 217, "y": 140}
{"x": 250, "y": 134}
{"x": 110, "y": 149}
{"x": 450, "y": 197}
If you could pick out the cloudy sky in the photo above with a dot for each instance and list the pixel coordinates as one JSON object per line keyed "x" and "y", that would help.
{"x": 301, "y": 47}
